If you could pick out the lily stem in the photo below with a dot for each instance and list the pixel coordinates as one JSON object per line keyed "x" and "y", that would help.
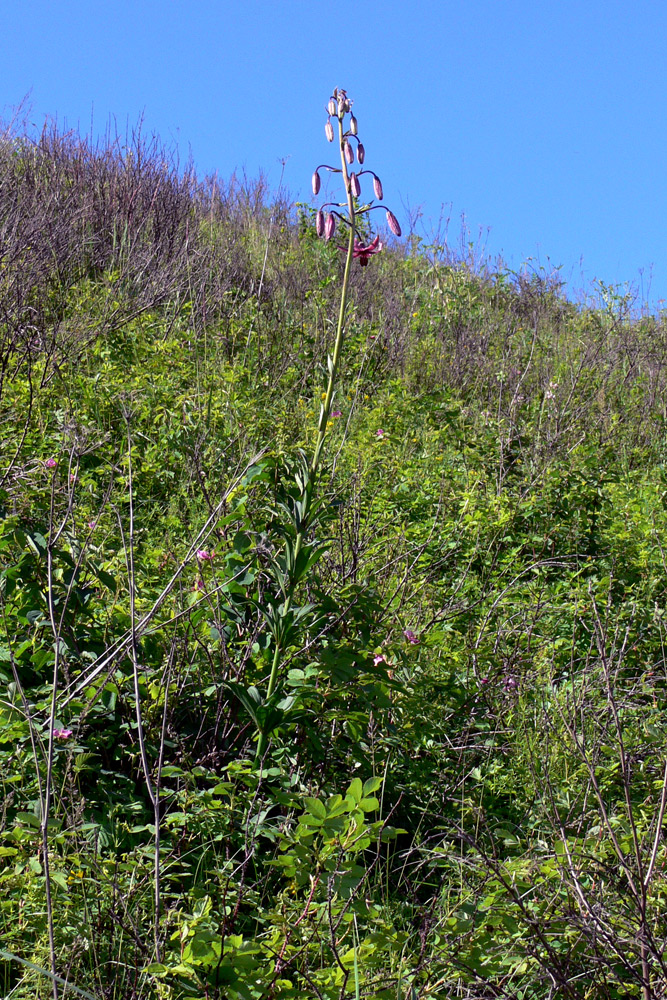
{"x": 325, "y": 412}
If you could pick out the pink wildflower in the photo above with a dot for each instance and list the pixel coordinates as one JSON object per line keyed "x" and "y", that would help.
{"x": 410, "y": 637}
{"x": 92, "y": 524}
{"x": 379, "y": 433}
{"x": 50, "y": 463}
{"x": 337, "y": 413}
{"x": 204, "y": 555}
{"x": 62, "y": 734}
{"x": 363, "y": 254}
{"x": 380, "y": 658}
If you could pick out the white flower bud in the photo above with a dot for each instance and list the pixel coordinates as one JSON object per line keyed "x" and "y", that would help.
{"x": 349, "y": 155}
{"x": 328, "y": 131}
{"x": 353, "y": 125}
{"x": 377, "y": 187}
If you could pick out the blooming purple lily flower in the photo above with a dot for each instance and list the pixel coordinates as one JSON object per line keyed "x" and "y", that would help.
{"x": 363, "y": 254}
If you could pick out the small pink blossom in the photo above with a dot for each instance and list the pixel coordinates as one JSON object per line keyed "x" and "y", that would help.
{"x": 50, "y": 463}
{"x": 379, "y": 433}
{"x": 380, "y": 658}
{"x": 336, "y": 413}
{"x": 484, "y": 680}
{"x": 199, "y": 585}
{"x": 204, "y": 555}
{"x": 92, "y": 525}
{"x": 363, "y": 254}
{"x": 62, "y": 734}
{"x": 411, "y": 637}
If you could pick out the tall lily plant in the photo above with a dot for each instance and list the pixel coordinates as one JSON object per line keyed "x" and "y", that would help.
{"x": 301, "y": 550}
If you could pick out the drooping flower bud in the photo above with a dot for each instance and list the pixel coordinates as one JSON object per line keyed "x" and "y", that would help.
{"x": 329, "y": 226}
{"x": 328, "y": 130}
{"x": 361, "y": 152}
{"x": 349, "y": 154}
{"x": 332, "y": 107}
{"x": 319, "y": 223}
{"x": 377, "y": 187}
{"x": 353, "y": 125}
{"x": 392, "y": 222}
{"x": 316, "y": 183}
{"x": 355, "y": 186}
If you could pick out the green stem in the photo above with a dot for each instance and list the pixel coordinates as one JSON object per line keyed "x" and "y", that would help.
{"x": 325, "y": 413}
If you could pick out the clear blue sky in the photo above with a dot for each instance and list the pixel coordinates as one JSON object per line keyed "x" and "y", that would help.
{"x": 543, "y": 122}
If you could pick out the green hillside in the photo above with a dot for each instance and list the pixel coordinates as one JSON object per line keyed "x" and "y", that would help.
{"x": 390, "y": 725}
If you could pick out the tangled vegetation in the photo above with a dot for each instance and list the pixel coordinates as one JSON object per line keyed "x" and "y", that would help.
{"x": 461, "y": 780}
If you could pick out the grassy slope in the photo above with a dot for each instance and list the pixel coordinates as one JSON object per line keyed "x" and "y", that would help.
{"x": 499, "y": 779}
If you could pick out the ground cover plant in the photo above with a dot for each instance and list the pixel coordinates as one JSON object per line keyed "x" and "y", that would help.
{"x": 332, "y": 598}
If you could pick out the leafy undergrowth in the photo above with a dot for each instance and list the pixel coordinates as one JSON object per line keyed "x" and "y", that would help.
{"x": 462, "y": 792}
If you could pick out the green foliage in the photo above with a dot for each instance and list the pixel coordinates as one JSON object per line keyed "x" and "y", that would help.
{"x": 460, "y": 782}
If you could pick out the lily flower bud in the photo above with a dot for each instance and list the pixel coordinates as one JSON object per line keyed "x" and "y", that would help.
{"x": 349, "y": 155}
{"x": 392, "y": 222}
{"x": 377, "y": 187}
{"x": 319, "y": 223}
{"x": 361, "y": 152}
{"x": 355, "y": 186}
{"x": 316, "y": 183}
{"x": 328, "y": 130}
{"x": 353, "y": 125}
{"x": 329, "y": 226}
{"x": 332, "y": 108}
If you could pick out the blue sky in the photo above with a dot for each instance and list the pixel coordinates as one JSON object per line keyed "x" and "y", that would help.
{"x": 542, "y": 122}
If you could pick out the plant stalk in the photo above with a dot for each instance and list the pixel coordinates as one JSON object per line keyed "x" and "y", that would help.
{"x": 325, "y": 413}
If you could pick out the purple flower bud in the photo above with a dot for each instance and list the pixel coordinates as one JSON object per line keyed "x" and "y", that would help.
{"x": 328, "y": 131}
{"x": 332, "y": 107}
{"x": 392, "y": 222}
{"x": 349, "y": 155}
{"x": 329, "y": 226}
{"x": 361, "y": 152}
{"x": 319, "y": 222}
{"x": 355, "y": 186}
{"x": 353, "y": 125}
{"x": 316, "y": 183}
{"x": 377, "y": 187}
